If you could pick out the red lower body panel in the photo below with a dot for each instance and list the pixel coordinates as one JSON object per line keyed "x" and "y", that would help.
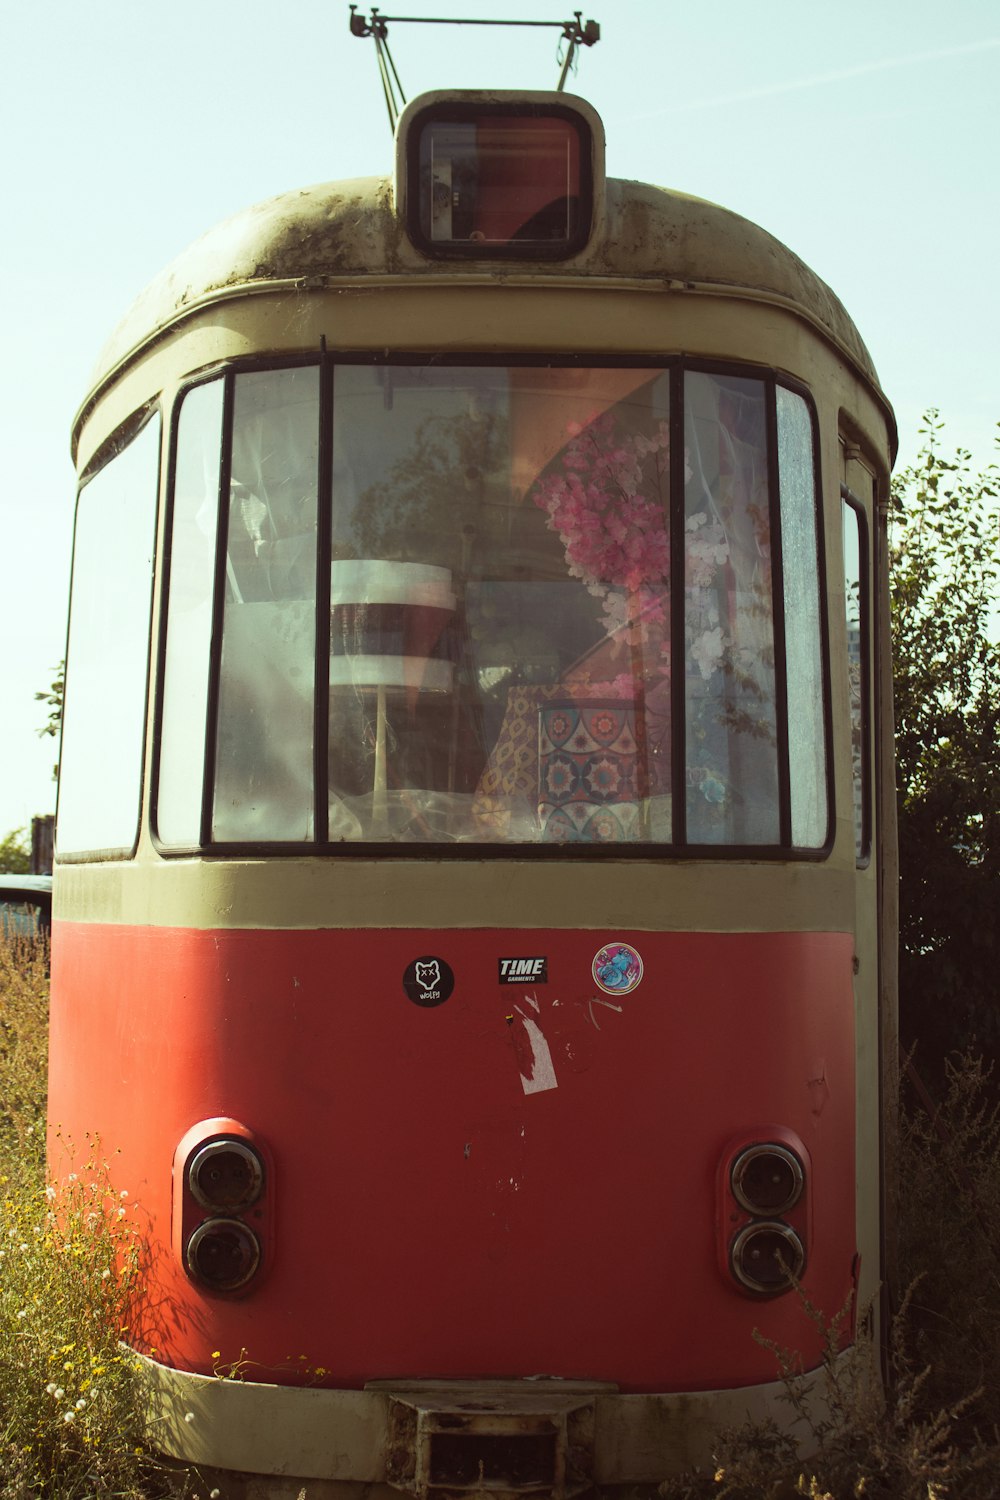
{"x": 505, "y": 1180}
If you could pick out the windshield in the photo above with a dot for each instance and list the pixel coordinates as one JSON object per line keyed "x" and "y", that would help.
{"x": 520, "y": 606}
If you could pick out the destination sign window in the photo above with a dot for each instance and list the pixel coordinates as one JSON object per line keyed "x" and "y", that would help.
{"x": 500, "y": 183}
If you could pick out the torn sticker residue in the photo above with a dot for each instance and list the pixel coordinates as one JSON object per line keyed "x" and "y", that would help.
{"x": 535, "y": 1060}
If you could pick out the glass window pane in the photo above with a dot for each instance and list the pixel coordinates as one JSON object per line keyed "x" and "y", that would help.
{"x": 732, "y": 771}
{"x": 189, "y": 615}
{"x": 264, "y": 742}
{"x": 489, "y": 182}
{"x": 803, "y": 639}
{"x": 105, "y": 708}
{"x": 500, "y": 605}
{"x": 854, "y": 598}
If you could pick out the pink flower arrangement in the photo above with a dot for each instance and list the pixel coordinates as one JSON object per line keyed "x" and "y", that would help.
{"x": 609, "y": 508}
{"x": 608, "y": 500}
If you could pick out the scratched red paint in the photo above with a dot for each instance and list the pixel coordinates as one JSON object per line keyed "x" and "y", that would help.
{"x": 430, "y": 1217}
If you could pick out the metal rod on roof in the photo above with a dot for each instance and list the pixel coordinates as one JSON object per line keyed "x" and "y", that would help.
{"x": 387, "y": 71}
{"x": 567, "y": 63}
{"x": 589, "y": 32}
{"x": 576, "y": 32}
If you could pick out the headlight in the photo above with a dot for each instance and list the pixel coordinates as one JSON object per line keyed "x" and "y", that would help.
{"x": 223, "y": 1254}
{"x": 226, "y": 1175}
{"x": 767, "y": 1179}
{"x": 766, "y": 1256}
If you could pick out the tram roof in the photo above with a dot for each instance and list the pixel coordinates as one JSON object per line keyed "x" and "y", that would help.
{"x": 334, "y": 232}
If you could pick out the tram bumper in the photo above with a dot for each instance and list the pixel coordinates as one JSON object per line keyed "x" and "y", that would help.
{"x": 441, "y": 1440}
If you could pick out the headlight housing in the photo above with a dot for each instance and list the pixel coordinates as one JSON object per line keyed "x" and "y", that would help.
{"x": 223, "y": 1224}
{"x": 763, "y": 1211}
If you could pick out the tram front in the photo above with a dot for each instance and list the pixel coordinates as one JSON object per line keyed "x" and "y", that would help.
{"x": 471, "y": 848}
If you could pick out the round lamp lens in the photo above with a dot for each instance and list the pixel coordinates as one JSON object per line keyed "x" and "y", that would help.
{"x": 767, "y": 1179}
{"x": 223, "y": 1254}
{"x": 765, "y": 1258}
{"x": 226, "y": 1174}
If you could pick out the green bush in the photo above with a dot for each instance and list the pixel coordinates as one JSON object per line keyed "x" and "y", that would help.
{"x": 15, "y": 853}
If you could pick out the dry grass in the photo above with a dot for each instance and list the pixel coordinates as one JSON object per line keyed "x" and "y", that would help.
{"x": 69, "y": 1399}
{"x": 927, "y": 1431}
{"x": 24, "y": 1038}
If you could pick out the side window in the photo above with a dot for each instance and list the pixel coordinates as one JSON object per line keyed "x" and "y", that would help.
{"x": 732, "y": 782}
{"x": 264, "y": 731}
{"x": 191, "y": 560}
{"x": 756, "y": 734}
{"x": 857, "y": 593}
{"x": 804, "y": 642}
{"x": 245, "y": 574}
{"x": 100, "y": 781}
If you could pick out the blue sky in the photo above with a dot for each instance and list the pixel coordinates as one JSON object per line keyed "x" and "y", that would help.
{"x": 865, "y": 136}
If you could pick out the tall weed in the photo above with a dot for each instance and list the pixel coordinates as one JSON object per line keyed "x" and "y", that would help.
{"x": 24, "y": 1051}
{"x": 69, "y": 1397}
{"x": 916, "y": 1421}
{"x": 949, "y": 1232}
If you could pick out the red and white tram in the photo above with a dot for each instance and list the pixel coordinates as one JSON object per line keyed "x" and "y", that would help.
{"x": 474, "y": 891}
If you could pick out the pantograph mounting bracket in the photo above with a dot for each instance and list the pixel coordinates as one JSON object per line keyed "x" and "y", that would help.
{"x": 577, "y": 33}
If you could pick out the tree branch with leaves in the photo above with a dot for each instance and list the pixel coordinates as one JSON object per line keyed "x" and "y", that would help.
{"x": 944, "y": 587}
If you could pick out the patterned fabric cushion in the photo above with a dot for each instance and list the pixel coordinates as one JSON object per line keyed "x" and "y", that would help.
{"x": 587, "y": 773}
{"x": 573, "y": 760}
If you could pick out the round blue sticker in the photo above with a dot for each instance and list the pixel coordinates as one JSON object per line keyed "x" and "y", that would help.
{"x": 617, "y": 968}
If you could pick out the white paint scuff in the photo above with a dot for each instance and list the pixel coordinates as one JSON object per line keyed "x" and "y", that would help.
{"x": 543, "y": 1073}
